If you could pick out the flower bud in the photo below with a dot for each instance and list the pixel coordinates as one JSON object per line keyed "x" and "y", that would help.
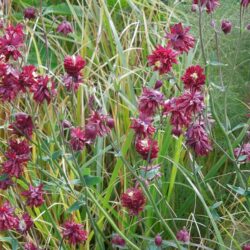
{"x": 158, "y": 84}
{"x": 158, "y": 240}
{"x": 226, "y": 26}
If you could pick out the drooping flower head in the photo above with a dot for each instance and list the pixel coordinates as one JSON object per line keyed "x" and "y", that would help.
{"x": 183, "y": 235}
{"x": 226, "y": 26}
{"x": 134, "y": 200}
{"x": 210, "y": 5}
{"x": 158, "y": 240}
{"x": 23, "y": 125}
{"x": 245, "y": 3}
{"x": 74, "y": 233}
{"x": 147, "y": 148}
{"x": 74, "y": 64}
{"x": 24, "y": 223}
{"x": 194, "y": 78}
{"x": 179, "y": 38}
{"x": 77, "y": 138}
{"x": 142, "y": 127}
{"x": 34, "y": 196}
{"x": 72, "y": 83}
{"x": 162, "y": 59}
{"x": 28, "y": 77}
{"x": 118, "y": 241}
{"x": 65, "y": 28}
{"x": 8, "y": 219}
{"x": 29, "y": 13}
{"x": 17, "y": 155}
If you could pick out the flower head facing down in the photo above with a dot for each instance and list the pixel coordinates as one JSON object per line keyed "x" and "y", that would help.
{"x": 210, "y": 5}
{"x": 118, "y": 241}
{"x": 134, "y": 200}
{"x": 142, "y": 127}
{"x": 147, "y": 148}
{"x": 65, "y": 28}
{"x": 74, "y": 64}
{"x": 162, "y": 59}
{"x": 74, "y": 233}
{"x": 28, "y": 77}
{"x": 24, "y": 223}
{"x": 179, "y": 38}
{"x": 226, "y": 26}
{"x": 158, "y": 240}
{"x": 34, "y": 196}
{"x": 29, "y": 13}
{"x": 245, "y": 3}
{"x": 8, "y": 219}
{"x": 77, "y": 138}
{"x": 183, "y": 235}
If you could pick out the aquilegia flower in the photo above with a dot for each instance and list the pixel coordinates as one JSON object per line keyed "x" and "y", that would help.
{"x": 183, "y": 235}
{"x": 8, "y": 219}
{"x": 142, "y": 127}
{"x": 158, "y": 240}
{"x": 226, "y": 26}
{"x": 210, "y": 5}
{"x": 162, "y": 59}
{"x": 28, "y": 77}
{"x": 147, "y": 147}
{"x": 134, "y": 200}
{"x": 29, "y": 13}
{"x": 77, "y": 138}
{"x": 74, "y": 233}
{"x": 74, "y": 64}
{"x": 118, "y": 241}
{"x": 24, "y": 223}
{"x": 34, "y": 196}
{"x": 179, "y": 38}
{"x": 65, "y": 28}
{"x": 245, "y": 3}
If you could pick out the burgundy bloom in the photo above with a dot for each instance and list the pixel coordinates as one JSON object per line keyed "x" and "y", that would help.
{"x": 74, "y": 64}
{"x": 142, "y": 127}
{"x": 117, "y": 240}
{"x": 8, "y": 220}
{"x": 194, "y": 78}
{"x": 210, "y": 5}
{"x": 197, "y": 139}
{"x": 245, "y": 3}
{"x": 158, "y": 240}
{"x": 28, "y": 77}
{"x": 12, "y": 41}
{"x": 17, "y": 155}
{"x": 5, "y": 183}
{"x": 158, "y": 84}
{"x": 183, "y": 235}
{"x": 3, "y": 67}
{"x": 72, "y": 83}
{"x": 34, "y": 196}
{"x": 147, "y": 147}
{"x": 179, "y": 38}
{"x": 42, "y": 91}
{"x": 110, "y": 122}
{"x": 77, "y": 139}
{"x": 23, "y": 125}
{"x": 162, "y": 59}
{"x": 25, "y": 223}
{"x": 150, "y": 101}
{"x": 246, "y": 247}
{"x": 65, "y": 28}
{"x": 243, "y": 152}
{"x": 66, "y": 124}
{"x": 74, "y": 233}
{"x": 29, "y": 13}
{"x": 134, "y": 200}
{"x": 226, "y": 26}
{"x": 30, "y": 246}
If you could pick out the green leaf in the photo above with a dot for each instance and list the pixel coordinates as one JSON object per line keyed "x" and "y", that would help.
{"x": 237, "y": 190}
{"x": 75, "y": 206}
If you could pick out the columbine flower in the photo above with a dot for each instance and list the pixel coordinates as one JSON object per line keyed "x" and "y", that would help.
{"x": 134, "y": 200}
{"x": 210, "y": 5}
{"x": 77, "y": 139}
{"x": 72, "y": 83}
{"x": 158, "y": 240}
{"x": 162, "y": 59}
{"x": 65, "y": 28}
{"x": 197, "y": 139}
{"x": 158, "y": 84}
{"x": 29, "y": 13}
{"x": 5, "y": 183}
{"x": 246, "y": 247}
{"x": 245, "y": 3}
{"x": 17, "y": 155}
{"x": 8, "y": 220}
{"x": 194, "y": 78}
{"x": 142, "y": 127}
{"x": 12, "y": 41}
{"x": 25, "y": 223}
{"x": 179, "y": 38}
{"x": 42, "y": 91}
{"x": 183, "y": 235}
{"x": 243, "y": 152}
{"x": 30, "y": 246}
{"x": 118, "y": 241}
{"x": 28, "y": 77}
{"x": 147, "y": 148}
{"x": 34, "y": 196}
{"x": 74, "y": 64}
{"x": 150, "y": 101}
{"x": 23, "y": 125}
{"x": 226, "y": 26}
{"x": 74, "y": 233}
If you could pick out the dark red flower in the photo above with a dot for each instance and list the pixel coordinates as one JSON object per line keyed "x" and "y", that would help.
{"x": 147, "y": 147}
{"x": 30, "y": 246}
{"x": 149, "y": 101}
{"x": 5, "y": 182}
{"x": 34, "y": 196}
{"x": 194, "y": 78}
{"x": 197, "y": 139}
{"x": 134, "y": 200}
{"x": 74, "y": 64}
{"x": 158, "y": 240}
{"x": 162, "y": 59}
{"x": 12, "y": 41}
{"x": 66, "y": 124}
{"x": 246, "y": 247}
{"x": 23, "y": 125}
{"x": 29, "y": 13}
{"x": 210, "y": 5}
{"x": 25, "y": 223}
{"x": 226, "y": 26}
{"x": 42, "y": 91}
{"x": 179, "y": 38}
{"x": 245, "y": 3}
{"x": 17, "y": 155}
{"x": 117, "y": 240}
{"x": 158, "y": 84}
{"x": 74, "y": 233}
{"x": 183, "y": 235}
{"x": 28, "y": 77}
{"x": 142, "y": 127}
{"x": 65, "y": 28}
{"x": 77, "y": 139}
{"x": 8, "y": 220}
{"x": 242, "y": 154}
{"x": 3, "y": 68}
{"x": 110, "y": 122}
{"x": 72, "y": 83}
